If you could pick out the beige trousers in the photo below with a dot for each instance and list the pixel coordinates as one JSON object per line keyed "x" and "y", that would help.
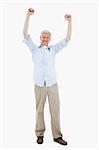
{"x": 54, "y": 107}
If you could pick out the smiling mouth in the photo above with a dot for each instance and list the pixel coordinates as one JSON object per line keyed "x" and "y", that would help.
{"x": 45, "y": 41}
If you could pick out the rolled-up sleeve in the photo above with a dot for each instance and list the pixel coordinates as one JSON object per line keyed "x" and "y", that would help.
{"x": 59, "y": 46}
{"x": 30, "y": 44}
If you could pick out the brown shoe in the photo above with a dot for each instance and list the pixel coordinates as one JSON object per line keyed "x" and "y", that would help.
{"x": 60, "y": 141}
{"x": 40, "y": 139}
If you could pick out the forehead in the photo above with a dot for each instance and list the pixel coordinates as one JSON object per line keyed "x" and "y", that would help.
{"x": 46, "y": 34}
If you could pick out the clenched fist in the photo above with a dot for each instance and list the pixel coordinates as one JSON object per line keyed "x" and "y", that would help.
{"x": 67, "y": 17}
{"x": 30, "y": 11}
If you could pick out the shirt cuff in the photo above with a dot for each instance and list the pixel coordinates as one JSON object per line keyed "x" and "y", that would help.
{"x": 64, "y": 43}
{"x": 26, "y": 38}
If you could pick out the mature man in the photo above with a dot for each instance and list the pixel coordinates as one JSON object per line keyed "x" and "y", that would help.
{"x": 45, "y": 78}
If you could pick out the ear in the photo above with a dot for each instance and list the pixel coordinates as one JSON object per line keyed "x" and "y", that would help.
{"x": 50, "y": 39}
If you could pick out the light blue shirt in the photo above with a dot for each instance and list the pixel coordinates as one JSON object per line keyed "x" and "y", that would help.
{"x": 44, "y": 61}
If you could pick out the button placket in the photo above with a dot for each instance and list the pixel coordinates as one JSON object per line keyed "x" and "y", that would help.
{"x": 44, "y": 67}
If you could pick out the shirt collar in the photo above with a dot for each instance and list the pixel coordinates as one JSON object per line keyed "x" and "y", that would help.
{"x": 45, "y": 47}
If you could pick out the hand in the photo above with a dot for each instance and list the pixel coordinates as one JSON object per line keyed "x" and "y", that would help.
{"x": 67, "y": 17}
{"x": 30, "y": 12}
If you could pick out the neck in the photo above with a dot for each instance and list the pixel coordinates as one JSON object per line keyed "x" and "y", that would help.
{"x": 44, "y": 45}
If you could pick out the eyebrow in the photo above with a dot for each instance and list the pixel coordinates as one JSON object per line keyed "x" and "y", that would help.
{"x": 44, "y": 36}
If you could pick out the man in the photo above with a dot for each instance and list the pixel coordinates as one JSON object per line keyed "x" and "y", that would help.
{"x": 45, "y": 78}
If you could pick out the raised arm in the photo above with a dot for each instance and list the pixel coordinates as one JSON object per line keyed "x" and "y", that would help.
{"x": 68, "y": 36}
{"x": 26, "y": 23}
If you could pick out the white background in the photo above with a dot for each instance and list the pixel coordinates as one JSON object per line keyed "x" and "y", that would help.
{"x": 76, "y": 74}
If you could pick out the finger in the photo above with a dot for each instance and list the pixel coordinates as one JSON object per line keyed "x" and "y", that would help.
{"x": 31, "y": 10}
{"x": 68, "y": 16}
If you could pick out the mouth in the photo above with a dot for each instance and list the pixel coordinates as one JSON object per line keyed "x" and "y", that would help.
{"x": 45, "y": 42}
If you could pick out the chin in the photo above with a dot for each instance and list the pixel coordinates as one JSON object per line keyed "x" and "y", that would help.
{"x": 45, "y": 44}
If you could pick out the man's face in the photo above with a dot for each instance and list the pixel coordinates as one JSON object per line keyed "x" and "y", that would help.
{"x": 45, "y": 39}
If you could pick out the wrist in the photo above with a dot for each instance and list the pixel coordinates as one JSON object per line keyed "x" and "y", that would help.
{"x": 69, "y": 21}
{"x": 27, "y": 16}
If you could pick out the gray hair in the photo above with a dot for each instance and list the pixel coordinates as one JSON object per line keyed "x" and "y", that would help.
{"x": 46, "y": 31}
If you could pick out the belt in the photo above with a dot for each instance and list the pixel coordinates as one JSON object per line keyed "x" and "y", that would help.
{"x": 44, "y": 83}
